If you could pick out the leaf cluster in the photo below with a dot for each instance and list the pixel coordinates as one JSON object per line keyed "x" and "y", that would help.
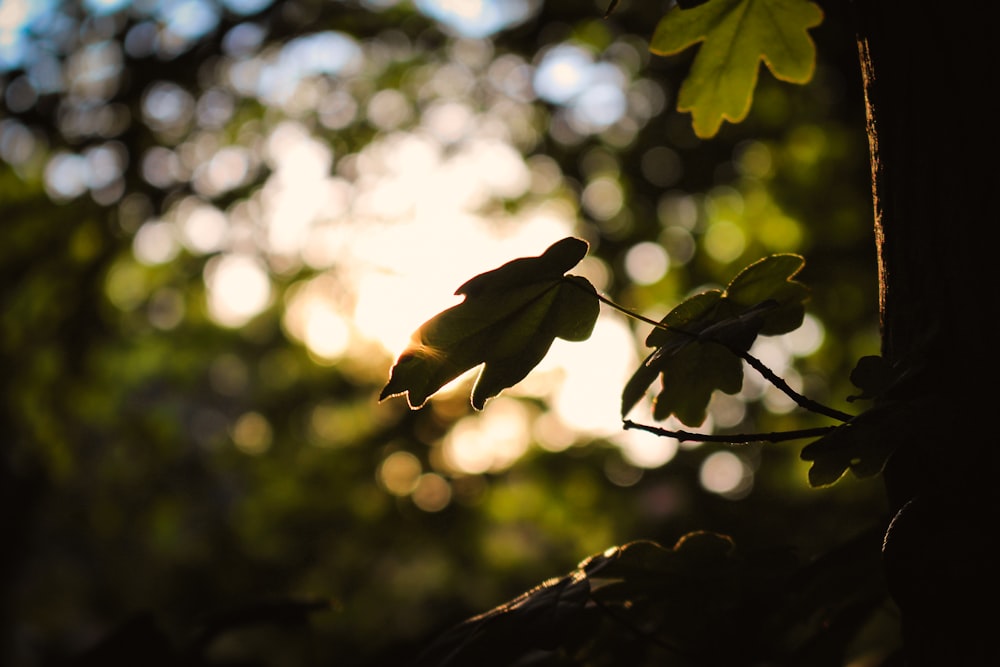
{"x": 698, "y": 343}
{"x": 700, "y": 602}
{"x": 512, "y": 314}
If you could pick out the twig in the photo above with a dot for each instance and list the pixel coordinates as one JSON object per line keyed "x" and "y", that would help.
{"x": 799, "y": 399}
{"x": 733, "y": 439}
{"x": 753, "y": 361}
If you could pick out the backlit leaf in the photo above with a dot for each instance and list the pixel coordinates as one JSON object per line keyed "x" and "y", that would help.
{"x": 507, "y": 322}
{"x": 735, "y": 35}
{"x": 696, "y": 350}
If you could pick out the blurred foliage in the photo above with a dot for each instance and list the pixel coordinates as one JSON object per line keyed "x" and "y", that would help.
{"x": 158, "y": 463}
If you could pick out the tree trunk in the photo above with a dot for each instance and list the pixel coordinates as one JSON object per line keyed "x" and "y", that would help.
{"x": 929, "y": 74}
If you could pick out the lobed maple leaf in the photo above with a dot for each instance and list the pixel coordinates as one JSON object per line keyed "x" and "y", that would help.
{"x": 507, "y": 322}
{"x": 736, "y": 35}
{"x": 697, "y": 346}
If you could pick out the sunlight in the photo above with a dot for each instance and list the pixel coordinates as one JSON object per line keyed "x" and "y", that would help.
{"x": 432, "y": 492}
{"x": 227, "y": 170}
{"x": 16, "y": 17}
{"x": 391, "y": 230}
{"x": 563, "y": 73}
{"x": 646, "y": 263}
{"x": 327, "y": 333}
{"x": 592, "y": 92}
{"x": 400, "y": 473}
{"x": 603, "y": 197}
{"x": 155, "y": 243}
{"x": 490, "y": 441}
{"x": 594, "y": 372}
{"x": 313, "y": 317}
{"x": 238, "y": 288}
{"x": 726, "y": 474}
{"x": 202, "y": 227}
{"x": 252, "y": 433}
{"x": 646, "y": 450}
{"x": 476, "y": 18}
{"x": 724, "y": 241}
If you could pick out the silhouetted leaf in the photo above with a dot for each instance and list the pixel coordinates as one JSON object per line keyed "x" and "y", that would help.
{"x": 701, "y": 597}
{"x": 540, "y": 619}
{"x": 696, "y": 351}
{"x": 736, "y": 36}
{"x": 862, "y": 445}
{"x": 508, "y": 321}
{"x": 872, "y": 375}
{"x": 700, "y": 565}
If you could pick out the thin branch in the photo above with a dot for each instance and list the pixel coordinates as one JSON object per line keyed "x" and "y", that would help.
{"x": 754, "y": 362}
{"x": 733, "y": 439}
{"x": 799, "y": 399}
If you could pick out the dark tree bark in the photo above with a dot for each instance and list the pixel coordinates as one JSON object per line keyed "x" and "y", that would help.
{"x": 929, "y": 72}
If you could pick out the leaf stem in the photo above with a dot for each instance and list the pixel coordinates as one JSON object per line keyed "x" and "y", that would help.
{"x": 622, "y": 309}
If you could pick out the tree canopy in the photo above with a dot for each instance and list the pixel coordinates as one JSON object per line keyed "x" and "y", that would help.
{"x": 222, "y": 220}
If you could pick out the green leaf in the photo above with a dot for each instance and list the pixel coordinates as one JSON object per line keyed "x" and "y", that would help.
{"x": 697, "y": 347}
{"x": 508, "y": 321}
{"x": 694, "y": 372}
{"x": 736, "y": 35}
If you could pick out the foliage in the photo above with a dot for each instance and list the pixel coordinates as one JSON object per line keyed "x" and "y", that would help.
{"x": 507, "y": 322}
{"x": 737, "y": 35}
{"x": 698, "y": 342}
{"x": 700, "y": 602}
{"x": 512, "y": 314}
{"x": 673, "y": 600}
{"x": 166, "y": 467}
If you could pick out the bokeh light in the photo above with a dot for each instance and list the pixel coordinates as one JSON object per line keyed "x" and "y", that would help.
{"x": 238, "y": 288}
{"x": 726, "y": 474}
{"x": 477, "y": 18}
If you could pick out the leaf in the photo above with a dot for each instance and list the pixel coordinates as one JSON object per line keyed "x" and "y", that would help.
{"x": 537, "y": 619}
{"x": 508, "y": 321}
{"x": 862, "y": 445}
{"x": 702, "y": 597}
{"x": 695, "y": 372}
{"x": 736, "y": 35}
{"x": 873, "y": 375}
{"x": 644, "y": 567}
{"x": 696, "y": 349}
{"x": 541, "y": 619}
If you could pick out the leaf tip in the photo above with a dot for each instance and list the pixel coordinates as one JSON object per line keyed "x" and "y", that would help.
{"x": 567, "y": 252}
